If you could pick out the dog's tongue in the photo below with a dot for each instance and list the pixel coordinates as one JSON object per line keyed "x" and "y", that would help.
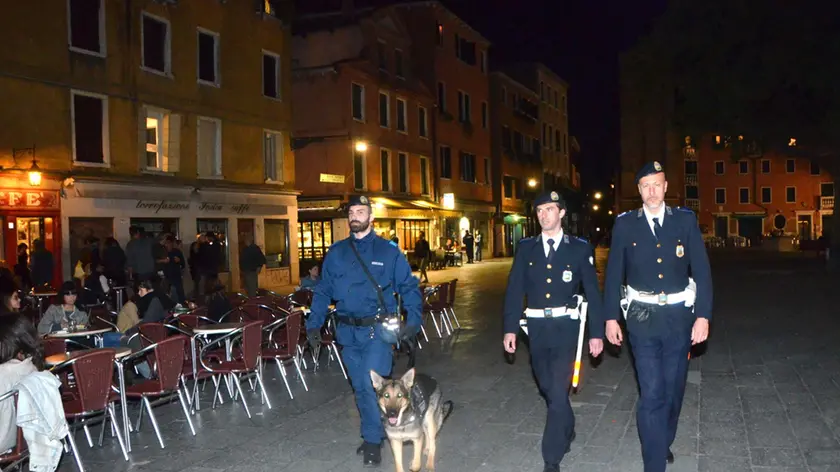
{"x": 393, "y": 421}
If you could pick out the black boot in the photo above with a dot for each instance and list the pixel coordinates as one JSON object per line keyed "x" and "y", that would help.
{"x": 551, "y": 468}
{"x": 670, "y": 457}
{"x": 372, "y": 454}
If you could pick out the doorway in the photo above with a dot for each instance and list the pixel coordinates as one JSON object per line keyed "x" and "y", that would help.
{"x": 722, "y": 227}
{"x": 245, "y": 229}
{"x": 804, "y": 224}
{"x": 27, "y": 229}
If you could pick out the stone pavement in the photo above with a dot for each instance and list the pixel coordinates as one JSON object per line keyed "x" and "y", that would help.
{"x": 764, "y": 397}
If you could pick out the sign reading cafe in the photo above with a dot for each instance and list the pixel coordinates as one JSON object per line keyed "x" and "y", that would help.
{"x": 163, "y": 205}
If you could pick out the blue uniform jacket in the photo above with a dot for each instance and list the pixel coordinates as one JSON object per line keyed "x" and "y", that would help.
{"x": 345, "y": 282}
{"x": 657, "y": 266}
{"x": 551, "y": 285}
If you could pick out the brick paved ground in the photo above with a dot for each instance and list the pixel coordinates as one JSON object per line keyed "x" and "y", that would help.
{"x": 765, "y": 397}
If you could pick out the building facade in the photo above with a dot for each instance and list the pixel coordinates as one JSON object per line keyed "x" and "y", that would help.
{"x": 736, "y": 188}
{"x": 451, "y": 59}
{"x": 757, "y": 195}
{"x": 362, "y": 125}
{"x": 179, "y": 123}
{"x": 516, "y": 158}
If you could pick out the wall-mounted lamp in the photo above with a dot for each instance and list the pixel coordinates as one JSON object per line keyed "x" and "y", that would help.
{"x": 532, "y": 183}
{"x": 361, "y": 146}
{"x": 34, "y": 174}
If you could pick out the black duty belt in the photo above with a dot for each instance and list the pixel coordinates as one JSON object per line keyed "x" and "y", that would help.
{"x": 364, "y": 322}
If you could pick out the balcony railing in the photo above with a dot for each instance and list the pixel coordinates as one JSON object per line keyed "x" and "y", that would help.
{"x": 693, "y": 204}
{"x": 691, "y": 179}
{"x": 826, "y": 203}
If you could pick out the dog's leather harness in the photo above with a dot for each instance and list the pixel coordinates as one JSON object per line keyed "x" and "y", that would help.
{"x": 420, "y": 393}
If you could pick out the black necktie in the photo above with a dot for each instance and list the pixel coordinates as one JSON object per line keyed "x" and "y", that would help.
{"x": 656, "y": 227}
{"x": 551, "y": 250}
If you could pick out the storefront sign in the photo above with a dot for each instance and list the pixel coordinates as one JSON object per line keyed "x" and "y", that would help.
{"x": 449, "y": 201}
{"x": 332, "y": 178}
{"x": 206, "y": 207}
{"x": 28, "y": 200}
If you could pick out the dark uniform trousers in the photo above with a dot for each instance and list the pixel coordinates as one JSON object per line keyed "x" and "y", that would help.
{"x": 553, "y": 283}
{"x": 362, "y": 354}
{"x": 658, "y": 262}
{"x": 661, "y": 360}
{"x": 553, "y": 367}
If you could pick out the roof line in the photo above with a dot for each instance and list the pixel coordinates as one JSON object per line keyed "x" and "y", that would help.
{"x": 436, "y": 3}
{"x": 514, "y": 81}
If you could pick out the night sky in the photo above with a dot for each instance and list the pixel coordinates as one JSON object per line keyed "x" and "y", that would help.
{"x": 580, "y": 40}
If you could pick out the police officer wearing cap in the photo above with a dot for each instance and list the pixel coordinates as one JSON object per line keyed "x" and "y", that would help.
{"x": 548, "y": 271}
{"x": 658, "y": 256}
{"x": 365, "y": 339}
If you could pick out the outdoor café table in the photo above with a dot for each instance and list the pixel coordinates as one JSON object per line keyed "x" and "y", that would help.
{"x": 81, "y": 333}
{"x": 205, "y": 332}
{"x": 120, "y": 353}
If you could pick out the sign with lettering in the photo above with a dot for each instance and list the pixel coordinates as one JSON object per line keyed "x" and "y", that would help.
{"x": 332, "y": 178}
{"x": 157, "y": 206}
{"x": 14, "y": 199}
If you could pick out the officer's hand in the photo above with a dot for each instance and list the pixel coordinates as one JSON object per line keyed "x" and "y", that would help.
{"x": 614, "y": 335}
{"x": 700, "y": 331}
{"x": 314, "y": 337}
{"x": 510, "y": 343}
{"x": 596, "y": 347}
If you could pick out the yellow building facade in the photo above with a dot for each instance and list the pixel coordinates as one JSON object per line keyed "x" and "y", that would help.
{"x": 172, "y": 116}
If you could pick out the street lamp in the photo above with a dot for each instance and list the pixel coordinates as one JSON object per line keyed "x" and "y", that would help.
{"x": 361, "y": 146}
{"x": 532, "y": 183}
{"x": 598, "y": 195}
{"x": 595, "y": 207}
{"x": 609, "y": 212}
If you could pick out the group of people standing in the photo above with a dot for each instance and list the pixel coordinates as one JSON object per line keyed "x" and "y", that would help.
{"x": 658, "y": 277}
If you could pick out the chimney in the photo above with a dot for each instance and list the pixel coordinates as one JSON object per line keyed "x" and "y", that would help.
{"x": 348, "y": 8}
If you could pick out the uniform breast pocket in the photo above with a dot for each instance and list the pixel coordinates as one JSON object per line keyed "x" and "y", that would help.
{"x": 380, "y": 274}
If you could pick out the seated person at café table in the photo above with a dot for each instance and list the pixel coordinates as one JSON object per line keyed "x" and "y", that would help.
{"x": 152, "y": 306}
{"x": 311, "y": 280}
{"x": 20, "y": 355}
{"x": 64, "y": 315}
{"x": 9, "y": 297}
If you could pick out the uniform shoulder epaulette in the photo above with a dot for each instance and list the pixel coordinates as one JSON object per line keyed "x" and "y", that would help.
{"x": 684, "y": 210}
{"x": 529, "y": 239}
{"x": 394, "y": 243}
{"x": 625, "y": 213}
{"x": 578, "y": 239}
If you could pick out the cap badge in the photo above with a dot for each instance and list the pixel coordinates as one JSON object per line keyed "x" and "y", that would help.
{"x": 363, "y": 199}
{"x": 657, "y": 166}
{"x": 555, "y": 197}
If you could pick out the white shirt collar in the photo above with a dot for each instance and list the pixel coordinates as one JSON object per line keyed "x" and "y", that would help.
{"x": 556, "y": 240}
{"x": 650, "y": 216}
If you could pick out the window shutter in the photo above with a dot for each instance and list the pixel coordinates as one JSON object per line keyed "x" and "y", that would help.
{"x": 279, "y": 147}
{"x": 172, "y": 140}
{"x": 141, "y": 137}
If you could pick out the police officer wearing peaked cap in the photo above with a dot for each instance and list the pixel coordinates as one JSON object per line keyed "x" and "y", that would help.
{"x": 548, "y": 271}
{"x": 654, "y": 250}
{"x": 366, "y": 342}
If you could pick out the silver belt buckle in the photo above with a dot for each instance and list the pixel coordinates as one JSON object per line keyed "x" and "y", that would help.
{"x": 547, "y": 313}
{"x": 663, "y": 299}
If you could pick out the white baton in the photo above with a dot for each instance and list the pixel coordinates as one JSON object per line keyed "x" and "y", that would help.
{"x": 576, "y": 376}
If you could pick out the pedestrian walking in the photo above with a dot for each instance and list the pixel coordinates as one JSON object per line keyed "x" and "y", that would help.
{"x": 422, "y": 252}
{"x": 653, "y": 251}
{"x": 362, "y": 273}
{"x": 548, "y": 271}
{"x": 469, "y": 245}
{"x": 478, "y": 245}
{"x": 251, "y": 261}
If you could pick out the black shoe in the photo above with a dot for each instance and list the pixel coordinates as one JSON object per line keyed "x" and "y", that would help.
{"x": 551, "y": 468}
{"x": 372, "y": 454}
{"x": 361, "y": 449}
{"x": 571, "y": 440}
{"x": 670, "y": 457}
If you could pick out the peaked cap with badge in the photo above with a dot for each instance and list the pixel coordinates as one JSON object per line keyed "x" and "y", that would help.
{"x": 356, "y": 200}
{"x": 550, "y": 197}
{"x": 650, "y": 168}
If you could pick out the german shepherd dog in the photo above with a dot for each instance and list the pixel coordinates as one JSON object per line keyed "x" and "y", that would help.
{"x": 412, "y": 410}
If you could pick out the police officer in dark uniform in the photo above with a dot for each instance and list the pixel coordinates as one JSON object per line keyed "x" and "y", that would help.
{"x": 659, "y": 252}
{"x": 548, "y": 271}
{"x": 361, "y": 329}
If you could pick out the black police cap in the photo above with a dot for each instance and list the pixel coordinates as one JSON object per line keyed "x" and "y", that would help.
{"x": 355, "y": 200}
{"x": 652, "y": 167}
{"x": 550, "y": 197}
